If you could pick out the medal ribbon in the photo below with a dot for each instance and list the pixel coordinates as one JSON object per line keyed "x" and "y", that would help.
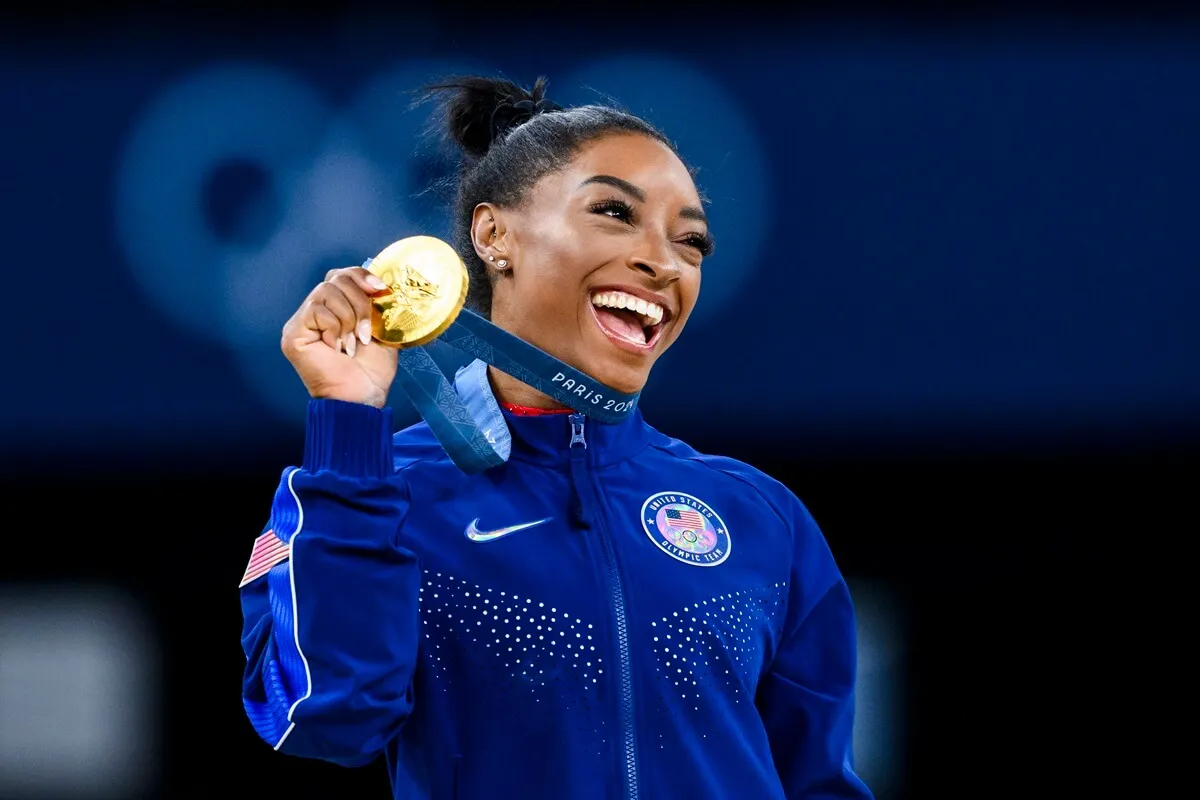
{"x": 475, "y": 434}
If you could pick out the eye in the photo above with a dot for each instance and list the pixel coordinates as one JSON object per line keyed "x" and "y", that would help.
{"x": 701, "y": 241}
{"x": 615, "y": 208}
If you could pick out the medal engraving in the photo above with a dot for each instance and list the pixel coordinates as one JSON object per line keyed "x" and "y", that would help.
{"x": 428, "y": 283}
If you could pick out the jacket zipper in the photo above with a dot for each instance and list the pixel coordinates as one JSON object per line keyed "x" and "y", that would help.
{"x": 579, "y": 480}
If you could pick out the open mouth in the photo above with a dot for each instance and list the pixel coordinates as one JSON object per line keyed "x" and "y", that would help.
{"x": 627, "y": 319}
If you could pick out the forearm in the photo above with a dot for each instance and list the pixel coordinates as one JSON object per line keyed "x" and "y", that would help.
{"x": 331, "y": 633}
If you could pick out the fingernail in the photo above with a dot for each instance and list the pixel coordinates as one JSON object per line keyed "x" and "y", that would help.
{"x": 364, "y": 331}
{"x": 375, "y": 282}
{"x": 338, "y": 346}
{"x": 351, "y": 345}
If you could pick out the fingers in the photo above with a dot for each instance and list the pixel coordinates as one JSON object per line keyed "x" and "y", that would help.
{"x": 365, "y": 280}
{"x": 325, "y": 323}
{"x": 353, "y": 305}
{"x": 339, "y": 309}
{"x": 347, "y": 318}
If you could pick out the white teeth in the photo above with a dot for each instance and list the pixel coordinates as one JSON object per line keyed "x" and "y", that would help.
{"x": 651, "y": 313}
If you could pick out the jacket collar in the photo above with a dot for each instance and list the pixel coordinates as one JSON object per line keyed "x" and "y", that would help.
{"x": 547, "y": 439}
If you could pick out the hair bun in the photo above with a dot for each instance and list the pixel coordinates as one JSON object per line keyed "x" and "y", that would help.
{"x": 509, "y": 115}
{"x": 480, "y": 110}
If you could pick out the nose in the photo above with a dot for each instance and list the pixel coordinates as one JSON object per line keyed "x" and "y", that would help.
{"x": 655, "y": 259}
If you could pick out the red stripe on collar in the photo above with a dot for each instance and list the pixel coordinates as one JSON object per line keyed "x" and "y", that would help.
{"x": 530, "y": 411}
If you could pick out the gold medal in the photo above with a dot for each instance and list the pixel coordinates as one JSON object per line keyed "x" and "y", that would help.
{"x": 428, "y": 283}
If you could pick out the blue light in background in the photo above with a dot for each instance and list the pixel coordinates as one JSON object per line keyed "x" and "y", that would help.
{"x": 916, "y": 237}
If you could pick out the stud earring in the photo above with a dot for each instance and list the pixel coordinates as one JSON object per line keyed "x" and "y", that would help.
{"x": 502, "y": 264}
{"x": 491, "y": 258}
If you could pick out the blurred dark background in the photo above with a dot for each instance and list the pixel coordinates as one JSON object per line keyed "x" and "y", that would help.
{"x": 953, "y": 306}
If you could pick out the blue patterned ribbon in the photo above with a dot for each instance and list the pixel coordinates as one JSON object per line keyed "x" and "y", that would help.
{"x": 474, "y": 434}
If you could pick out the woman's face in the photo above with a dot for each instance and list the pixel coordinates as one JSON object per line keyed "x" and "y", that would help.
{"x": 603, "y": 258}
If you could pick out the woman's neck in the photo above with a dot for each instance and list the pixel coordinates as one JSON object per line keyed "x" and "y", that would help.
{"x": 511, "y": 391}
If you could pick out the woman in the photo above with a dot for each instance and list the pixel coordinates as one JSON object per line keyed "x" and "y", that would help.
{"x": 607, "y": 614}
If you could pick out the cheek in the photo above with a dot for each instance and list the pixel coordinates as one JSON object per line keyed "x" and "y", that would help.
{"x": 549, "y": 284}
{"x": 689, "y": 291}
{"x": 555, "y": 270}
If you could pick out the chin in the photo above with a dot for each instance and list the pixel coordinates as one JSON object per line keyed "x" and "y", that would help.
{"x": 625, "y": 378}
{"x": 618, "y": 366}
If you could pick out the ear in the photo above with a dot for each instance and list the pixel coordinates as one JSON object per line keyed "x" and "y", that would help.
{"x": 488, "y": 228}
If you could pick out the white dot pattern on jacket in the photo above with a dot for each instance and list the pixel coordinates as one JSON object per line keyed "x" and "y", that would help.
{"x": 715, "y": 646}
{"x": 511, "y": 642}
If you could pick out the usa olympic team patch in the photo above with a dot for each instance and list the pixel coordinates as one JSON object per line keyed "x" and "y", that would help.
{"x": 686, "y": 528}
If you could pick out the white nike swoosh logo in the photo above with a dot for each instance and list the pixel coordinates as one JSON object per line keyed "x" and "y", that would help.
{"x": 476, "y": 535}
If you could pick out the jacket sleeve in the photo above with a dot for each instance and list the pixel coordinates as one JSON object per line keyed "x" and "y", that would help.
{"x": 806, "y": 699}
{"x": 330, "y": 633}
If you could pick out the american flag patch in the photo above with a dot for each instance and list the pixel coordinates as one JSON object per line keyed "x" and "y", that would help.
{"x": 268, "y": 551}
{"x": 685, "y": 519}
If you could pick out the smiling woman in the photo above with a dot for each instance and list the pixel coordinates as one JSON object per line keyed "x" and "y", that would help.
{"x": 619, "y": 228}
{"x": 621, "y": 615}
{"x": 593, "y": 204}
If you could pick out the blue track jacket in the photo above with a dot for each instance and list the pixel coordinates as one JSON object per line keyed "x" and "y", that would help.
{"x": 609, "y": 614}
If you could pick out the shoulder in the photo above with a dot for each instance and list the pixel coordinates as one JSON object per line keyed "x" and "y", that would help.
{"x": 738, "y": 474}
{"x": 814, "y": 568}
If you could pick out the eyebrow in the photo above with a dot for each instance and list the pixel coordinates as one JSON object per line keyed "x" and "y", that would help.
{"x": 687, "y": 212}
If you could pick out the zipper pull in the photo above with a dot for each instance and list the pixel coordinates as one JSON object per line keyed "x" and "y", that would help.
{"x": 579, "y": 511}
{"x": 577, "y": 437}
